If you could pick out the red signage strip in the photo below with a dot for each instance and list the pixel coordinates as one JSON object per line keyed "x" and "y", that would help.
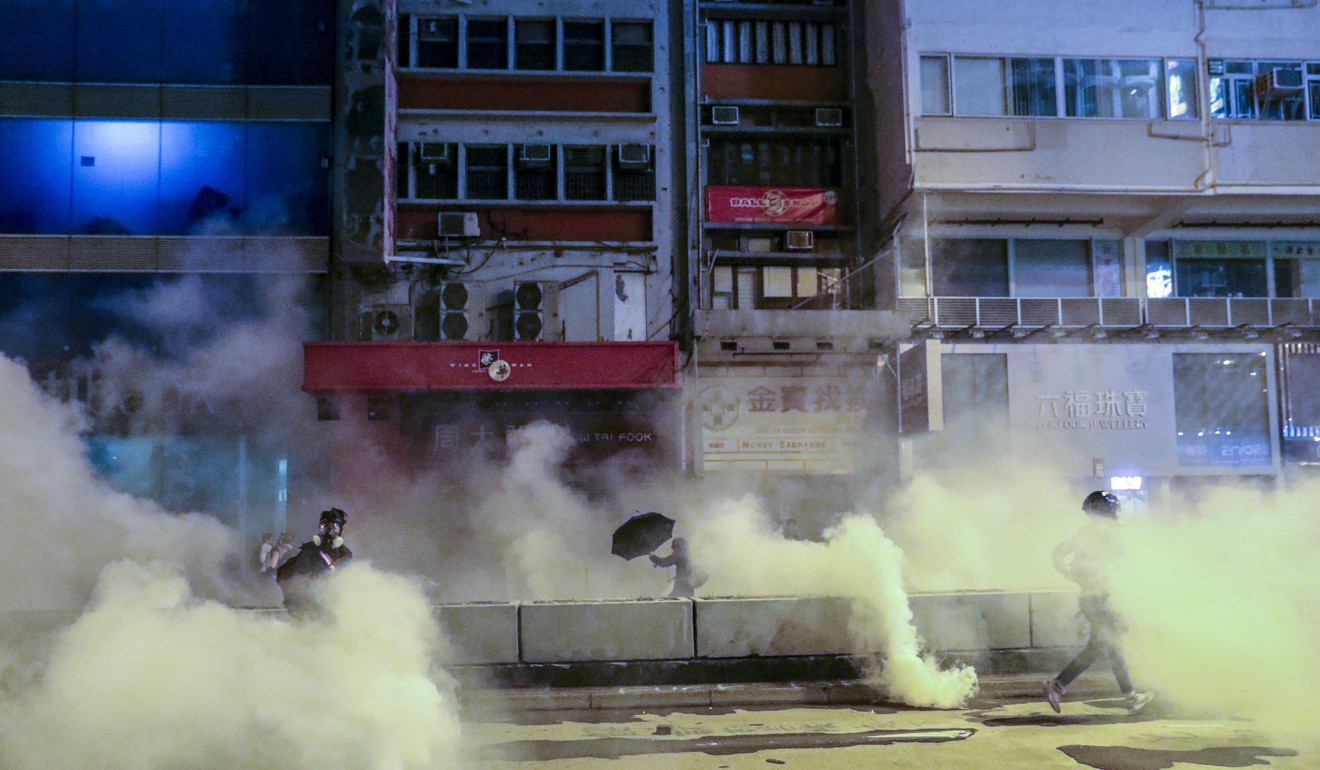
{"x": 422, "y": 366}
{"x": 772, "y": 205}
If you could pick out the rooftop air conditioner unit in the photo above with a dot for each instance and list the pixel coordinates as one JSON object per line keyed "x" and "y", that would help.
{"x": 459, "y": 224}
{"x": 634, "y": 155}
{"x": 724, "y": 115}
{"x": 799, "y": 240}
{"x": 433, "y": 152}
{"x": 534, "y": 154}
{"x": 829, "y": 117}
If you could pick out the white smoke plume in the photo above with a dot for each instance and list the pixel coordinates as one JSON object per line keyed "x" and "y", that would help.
{"x": 734, "y": 544}
{"x": 1220, "y": 600}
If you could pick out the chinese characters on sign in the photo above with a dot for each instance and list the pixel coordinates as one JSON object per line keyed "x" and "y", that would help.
{"x": 1092, "y": 410}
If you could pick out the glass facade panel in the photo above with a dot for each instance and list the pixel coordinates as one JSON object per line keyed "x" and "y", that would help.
{"x": 287, "y": 183}
{"x": 37, "y": 171}
{"x": 1221, "y": 409}
{"x": 291, "y": 42}
{"x": 36, "y": 40}
{"x": 116, "y": 177}
{"x": 104, "y": 53}
{"x": 1221, "y": 278}
{"x": 202, "y": 192}
{"x": 204, "y": 41}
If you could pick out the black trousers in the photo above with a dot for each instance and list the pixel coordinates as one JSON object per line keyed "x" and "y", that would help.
{"x": 1103, "y": 642}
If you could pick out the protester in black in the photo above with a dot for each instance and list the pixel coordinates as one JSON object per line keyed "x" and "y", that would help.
{"x": 318, "y": 557}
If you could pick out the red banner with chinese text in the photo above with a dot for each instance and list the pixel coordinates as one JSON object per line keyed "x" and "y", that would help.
{"x": 772, "y": 205}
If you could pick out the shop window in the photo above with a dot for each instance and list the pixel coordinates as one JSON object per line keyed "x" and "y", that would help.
{"x": 1159, "y": 270}
{"x": 631, "y": 46}
{"x": 534, "y": 41}
{"x": 1220, "y": 269}
{"x": 1296, "y": 268}
{"x": 584, "y": 46}
{"x": 1051, "y": 268}
{"x": 1112, "y": 88}
{"x": 437, "y": 43}
{"x": 585, "y": 172}
{"x": 487, "y": 172}
{"x": 1221, "y": 409}
{"x": 969, "y": 267}
{"x": 488, "y": 44}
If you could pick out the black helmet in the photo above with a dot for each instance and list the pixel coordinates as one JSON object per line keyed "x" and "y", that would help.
{"x": 334, "y": 515}
{"x": 1101, "y": 503}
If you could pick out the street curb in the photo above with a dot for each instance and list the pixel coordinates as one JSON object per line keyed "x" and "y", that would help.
{"x": 754, "y": 694}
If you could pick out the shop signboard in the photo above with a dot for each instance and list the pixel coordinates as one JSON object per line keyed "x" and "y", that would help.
{"x": 772, "y": 205}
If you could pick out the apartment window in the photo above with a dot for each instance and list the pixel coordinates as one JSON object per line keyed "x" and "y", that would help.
{"x": 535, "y": 176}
{"x": 631, "y": 46}
{"x": 748, "y": 41}
{"x": 1264, "y": 90}
{"x": 792, "y": 163}
{"x": 1233, "y": 269}
{"x": 1026, "y": 86}
{"x": 585, "y": 173}
{"x": 634, "y": 172}
{"x": 1112, "y": 88}
{"x": 1313, "y": 89}
{"x": 435, "y": 170}
{"x": 437, "y": 43}
{"x": 487, "y": 172}
{"x": 775, "y": 287}
{"x": 969, "y": 267}
{"x": 1051, "y": 268}
{"x": 584, "y": 46}
{"x": 534, "y": 44}
{"x": 1012, "y": 267}
{"x": 935, "y": 85}
{"x": 488, "y": 44}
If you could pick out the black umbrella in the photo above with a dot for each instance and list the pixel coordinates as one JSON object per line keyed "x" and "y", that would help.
{"x": 642, "y": 534}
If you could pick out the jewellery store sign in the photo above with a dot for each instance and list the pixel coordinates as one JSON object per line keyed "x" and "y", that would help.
{"x": 791, "y": 424}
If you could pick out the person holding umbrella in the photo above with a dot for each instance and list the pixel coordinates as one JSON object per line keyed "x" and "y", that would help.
{"x": 643, "y": 534}
{"x": 687, "y": 578}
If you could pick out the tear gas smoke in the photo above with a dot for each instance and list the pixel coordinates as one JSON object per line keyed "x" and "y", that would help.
{"x": 742, "y": 556}
{"x": 150, "y": 678}
{"x": 991, "y": 528}
{"x": 1220, "y": 602}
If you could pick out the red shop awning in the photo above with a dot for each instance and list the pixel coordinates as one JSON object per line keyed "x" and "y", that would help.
{"x": 422, "y": 366}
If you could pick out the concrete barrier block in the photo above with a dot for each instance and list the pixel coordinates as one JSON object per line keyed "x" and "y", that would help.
{"x": 480, "y": 632}
{"x": 657, "y": 629}
{"x": 1056, "y": 619}
{"x": 973, "y": 620}
{"x": 735, "y": 628}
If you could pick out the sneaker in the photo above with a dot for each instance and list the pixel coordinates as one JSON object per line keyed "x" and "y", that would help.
{"x": 1053, "y": 694}
{"x": 1136, "y": 701}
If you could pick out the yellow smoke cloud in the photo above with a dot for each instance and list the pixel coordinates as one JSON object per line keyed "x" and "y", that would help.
{"x": 742, "y": 556}
{"x": 151, "y": 678}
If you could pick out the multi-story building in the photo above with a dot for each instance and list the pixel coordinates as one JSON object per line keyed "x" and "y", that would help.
{"x": 145, "y": 140}
{"x": 511, "y": 227}
{"x": 1136, "y": 180}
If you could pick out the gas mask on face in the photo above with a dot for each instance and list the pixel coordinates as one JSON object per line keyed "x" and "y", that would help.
{"x": 329, "y": 532}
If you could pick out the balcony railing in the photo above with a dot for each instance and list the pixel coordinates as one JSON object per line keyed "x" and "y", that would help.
{"x": 1109, "y": 312}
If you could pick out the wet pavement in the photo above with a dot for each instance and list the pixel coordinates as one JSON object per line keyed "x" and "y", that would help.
{"x": 992, "y": 733}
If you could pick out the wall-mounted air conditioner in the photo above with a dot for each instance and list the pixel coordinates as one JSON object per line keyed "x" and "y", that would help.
{"x": 634, "y": 155}
{"x": 459, "y": 224}
{"x": 433, "y": 152}
{"x": 1279, "y": 83}
{"x": 535, "y": 154}
{"x": 385, "y": 322}
{"x": 799, "y": 240}
{"x": 829, "y": 117}
{"x": 724, "y": 115}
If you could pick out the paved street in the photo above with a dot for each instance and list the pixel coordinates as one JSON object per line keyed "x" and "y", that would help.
{"x": 1008, "y": 733}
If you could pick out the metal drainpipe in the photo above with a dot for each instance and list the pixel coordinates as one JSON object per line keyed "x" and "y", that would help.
{"x": 853, "y": 32}
{"x": 1208, "y": 178}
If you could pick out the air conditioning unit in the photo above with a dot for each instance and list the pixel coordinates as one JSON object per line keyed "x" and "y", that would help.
{"x": 385, "y": 322}
{"x": 799, "y": 240}
{"x": 723, "y": 115}
{"x": 462, "y": 311}
{"x": 534, "y": 154}
{"x": 634, "y": 155}
{"x": 1279, "y": 83}
{"x": 459, "y": 224}
{"x": 433, "y": 152}
{"x": 829, "y": 117}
